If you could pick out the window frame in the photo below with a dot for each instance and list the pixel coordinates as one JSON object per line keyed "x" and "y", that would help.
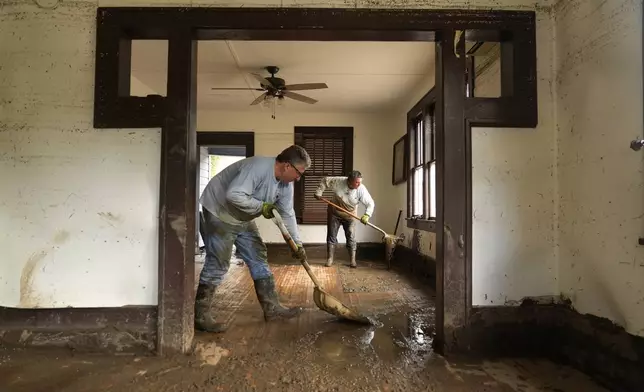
{"x": 322, "y": 132}
{"x": 423, "y": 110}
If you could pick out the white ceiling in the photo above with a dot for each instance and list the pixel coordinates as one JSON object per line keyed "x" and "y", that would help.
{"x": 362, "y": 76}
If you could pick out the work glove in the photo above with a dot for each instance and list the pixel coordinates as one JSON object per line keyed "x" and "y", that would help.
{"x": 364, "y": 219}
{"x": 299, "y": 254}
{"x": 317, "y": 197}
{"x": 267, "y": 210}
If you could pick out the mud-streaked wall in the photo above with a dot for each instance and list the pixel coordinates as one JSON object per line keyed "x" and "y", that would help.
{"x": 601, "y": 181}
{"x": 78, "y": 206}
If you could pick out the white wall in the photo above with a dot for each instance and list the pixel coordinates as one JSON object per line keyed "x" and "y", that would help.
{"x": 78, "y": 206}
{"x": 601, "y": 204}
{"x": 273, "y": 135}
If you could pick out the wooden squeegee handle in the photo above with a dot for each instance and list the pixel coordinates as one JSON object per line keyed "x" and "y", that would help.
{"x": 289, "y": 240}
{"x": 353, "y": 215}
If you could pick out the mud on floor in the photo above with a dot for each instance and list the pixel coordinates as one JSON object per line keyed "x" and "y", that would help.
{"x": 369, "y": 277}
{"x": 314, "y": 352}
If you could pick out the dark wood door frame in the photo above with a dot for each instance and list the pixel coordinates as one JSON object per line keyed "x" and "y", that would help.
{"x": 175, "y": 114}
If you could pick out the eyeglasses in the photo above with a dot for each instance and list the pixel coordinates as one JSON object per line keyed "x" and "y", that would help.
{"x": 298, "y": 172}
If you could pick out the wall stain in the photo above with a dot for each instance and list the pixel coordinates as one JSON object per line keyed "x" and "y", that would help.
{"x": 61, "y": 237}
{"x": 28, "y": 296}
{"x": 110, "y": 218}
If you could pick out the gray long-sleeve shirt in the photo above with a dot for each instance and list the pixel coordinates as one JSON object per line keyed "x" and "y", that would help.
{"x": 237, "y": 193}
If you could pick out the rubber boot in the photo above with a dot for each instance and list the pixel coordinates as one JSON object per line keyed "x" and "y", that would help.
{"x": 352, "y": 256}
{"x": 268, "y": 298}
{"x": 330, "y": 249}
{"x": 204, "y": 317}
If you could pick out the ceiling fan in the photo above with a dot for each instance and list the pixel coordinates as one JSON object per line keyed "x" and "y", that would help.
{"x": 277, "y": 88}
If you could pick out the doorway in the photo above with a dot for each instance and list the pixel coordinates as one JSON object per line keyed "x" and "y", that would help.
{"x": 217, "y": 150}
{"x": 175, "y": 113}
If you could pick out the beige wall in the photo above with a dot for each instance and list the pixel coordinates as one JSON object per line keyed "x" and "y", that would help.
{"x": 273, "y": 135}
{"x": 601, "y": 189}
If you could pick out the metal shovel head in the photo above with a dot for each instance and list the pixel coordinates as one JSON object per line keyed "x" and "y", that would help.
{"x": 330, "y": 304}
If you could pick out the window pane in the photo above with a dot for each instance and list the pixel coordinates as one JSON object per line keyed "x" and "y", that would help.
{"x": 432, "y": 190}
{"x": 428, "y": 137}
{"x": 419, "y": 142}
{"x": 417, "y": 202}
{"x": 411, "y": 139}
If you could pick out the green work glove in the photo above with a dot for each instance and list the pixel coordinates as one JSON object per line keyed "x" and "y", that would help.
{"x": 267, "y": 210}
{"x": 364, "y": 219}
{"x": 300, "y": 254}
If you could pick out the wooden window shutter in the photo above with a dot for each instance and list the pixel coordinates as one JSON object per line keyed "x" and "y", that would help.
{"x": 331, "y": 153}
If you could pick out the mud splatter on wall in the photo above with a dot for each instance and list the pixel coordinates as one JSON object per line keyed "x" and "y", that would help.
{"x": 601, "y": 183}
{"x": 78, "y": 210}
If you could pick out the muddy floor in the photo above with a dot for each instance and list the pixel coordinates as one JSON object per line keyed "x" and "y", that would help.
{"x": 314, "y": 352}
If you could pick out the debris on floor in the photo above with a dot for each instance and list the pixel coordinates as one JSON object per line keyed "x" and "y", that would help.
{"x": 210, "y": 353}
{"x": 314, "y": 352}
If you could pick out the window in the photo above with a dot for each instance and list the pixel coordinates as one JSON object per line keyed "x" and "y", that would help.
{"x": 331, "y": 152}
{"x": 421, "y": 192}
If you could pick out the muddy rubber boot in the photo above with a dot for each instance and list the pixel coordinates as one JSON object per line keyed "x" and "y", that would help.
{"x": 268, "y": 298}
{"x": 352, "y": 256}
{"x": 204, "y": 317}
{"x": 330, "y": 249}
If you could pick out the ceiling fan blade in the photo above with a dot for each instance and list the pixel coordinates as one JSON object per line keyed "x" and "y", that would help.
{"x": 258, "y": 99}
{"x": 299, "y": 97}
{"x": 237, "y": 88}
{"x": 305, "y": 86}
{"x": 262, "y": 80}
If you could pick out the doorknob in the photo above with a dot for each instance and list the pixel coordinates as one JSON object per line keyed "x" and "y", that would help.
{"x": 637, "y": 144}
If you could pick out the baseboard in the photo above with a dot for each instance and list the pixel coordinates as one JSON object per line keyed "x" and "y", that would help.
{"x": 411, "y": 263}
{"x": 591, "y": 344}
{"x": 371, "y": 251}
{"x": 123, "y": 329}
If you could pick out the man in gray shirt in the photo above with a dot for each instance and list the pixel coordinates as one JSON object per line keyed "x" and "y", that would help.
{"x": 232, "y": 199}
{"x": 347, "y": 193}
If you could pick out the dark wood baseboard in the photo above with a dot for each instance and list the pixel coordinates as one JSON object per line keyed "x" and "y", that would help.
{"x": 371, "y": 251}
{"x": 123, "y": 329}
{"x": 591, "y": 344}
{"x": 414, "y": 264}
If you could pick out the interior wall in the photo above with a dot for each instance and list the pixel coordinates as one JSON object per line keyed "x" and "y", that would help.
{"x": 513, "y": 193}
{"x": 601, "y": 203}
{"x": 78, "y": 206}
{"x": 274, "y": 135}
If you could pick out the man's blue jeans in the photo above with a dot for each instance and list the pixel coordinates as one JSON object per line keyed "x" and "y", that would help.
{"x": 219, "y": 240}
